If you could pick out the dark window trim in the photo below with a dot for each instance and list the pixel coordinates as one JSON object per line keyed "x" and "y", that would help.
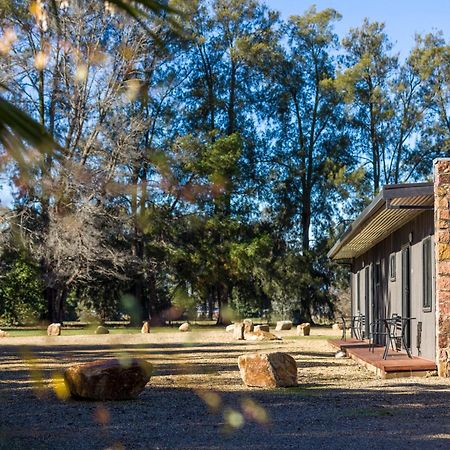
{"x": 393, "y": 266}
{"x": 358, "y": 291}
{"x": 427, "y": 276}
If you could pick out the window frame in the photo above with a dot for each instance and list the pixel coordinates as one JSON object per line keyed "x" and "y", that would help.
{"x": 427, "y": 275}
{"x": 393, "y": 266}
{"x": 358, "y": 291}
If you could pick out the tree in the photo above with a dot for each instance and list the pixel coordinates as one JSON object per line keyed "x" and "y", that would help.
{"x": 430, "y": 59}
{"x": 66, "y": 197}
{"x": 386, "y": 107}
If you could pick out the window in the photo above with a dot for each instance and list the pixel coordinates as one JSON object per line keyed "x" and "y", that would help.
{"x": 392, "y": 266}
{"x": 358, "y": 293}
{"x": 427, "y": 280}
{"x": 377, "y": 273}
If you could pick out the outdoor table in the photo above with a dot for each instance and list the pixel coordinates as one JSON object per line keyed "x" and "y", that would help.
{"x": 396, "y": 329}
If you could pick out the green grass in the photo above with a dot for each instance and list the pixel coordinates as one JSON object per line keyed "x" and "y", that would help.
{"x": 90, "y": 330}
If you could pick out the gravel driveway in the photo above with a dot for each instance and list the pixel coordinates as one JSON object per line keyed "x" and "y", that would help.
{"x": 196, "y": 398}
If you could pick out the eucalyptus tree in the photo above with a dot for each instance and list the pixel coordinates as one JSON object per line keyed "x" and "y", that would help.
{"x": 430, "y": 58}
{"x": 76, "y": 78}
{"x": 386, "y": 107}
{"x": 221, "y": 113}
{"x": 306, "y": 128}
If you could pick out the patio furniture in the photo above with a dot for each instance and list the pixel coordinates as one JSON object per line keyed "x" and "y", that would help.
{"x": 396, "y": 329}
{"x": 377, "y": 331}
{"x": 344, "y": 327}
{"x": 359, "y": 326}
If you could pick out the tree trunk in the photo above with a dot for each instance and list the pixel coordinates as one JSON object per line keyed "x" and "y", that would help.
{"x": 223, "y": 295}
{"x": 151, "y": 298}
{"x": 56, "y": 298}
{"x": 306, "y": 220}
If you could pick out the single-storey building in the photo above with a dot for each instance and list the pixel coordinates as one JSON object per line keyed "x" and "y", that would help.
{"x": 398, "y": 251}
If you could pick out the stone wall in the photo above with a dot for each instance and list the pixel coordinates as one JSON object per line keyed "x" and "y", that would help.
{"x": 442, "y": 256}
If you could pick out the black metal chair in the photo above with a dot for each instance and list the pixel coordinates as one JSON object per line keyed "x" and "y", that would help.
{"x": 376, "y": 333}
{"x": 396, "y": 328}
{"x": 359, "y": 327}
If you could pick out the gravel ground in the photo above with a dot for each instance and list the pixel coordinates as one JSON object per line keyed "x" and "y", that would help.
{"x": 196, "y": 398}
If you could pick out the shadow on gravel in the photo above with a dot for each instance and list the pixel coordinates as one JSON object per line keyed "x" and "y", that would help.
{"x": 304, "y": 417}
{"x": 312, "y": 416}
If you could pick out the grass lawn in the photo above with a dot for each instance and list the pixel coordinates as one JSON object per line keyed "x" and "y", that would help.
{"x": 201, "y": 326}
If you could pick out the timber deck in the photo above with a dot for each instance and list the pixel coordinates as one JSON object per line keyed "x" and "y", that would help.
{"x": 396, "y": 365}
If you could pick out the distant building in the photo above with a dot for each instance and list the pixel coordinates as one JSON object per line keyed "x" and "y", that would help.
{"x": 399, "y": 253}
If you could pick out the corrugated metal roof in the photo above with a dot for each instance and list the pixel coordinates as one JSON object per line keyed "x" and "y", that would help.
{"x": 393, "y": 207}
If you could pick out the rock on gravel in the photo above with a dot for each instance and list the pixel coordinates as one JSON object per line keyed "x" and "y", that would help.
{"x": 268, "y": 370}
{"x": 303, "y": 329}
{"x": 262, "y": 327}
{"x": 145, "y": 328}
{"x": 248, "y": 325}
{"x": 238, "y": 331}
{"x": 184, "y": 327}
{"x": 54, "y": 329}
{"x": 101, "y": 330}
{"x": 259, "y": 335}
{"x": 110, "y": 379}
{"x": 230, "y": 328}
{"x": 283, "y": 325}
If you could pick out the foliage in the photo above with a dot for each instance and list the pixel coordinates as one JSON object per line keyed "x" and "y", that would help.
{"x": 21, "y": 293}
{"x": 201, "y": 153}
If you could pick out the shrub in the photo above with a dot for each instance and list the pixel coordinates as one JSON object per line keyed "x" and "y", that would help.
{"x": 21, "y": 294}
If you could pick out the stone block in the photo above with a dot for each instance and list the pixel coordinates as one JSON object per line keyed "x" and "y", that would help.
{"x": 283, "y": 325}
{"x": 443, "y": 252}
{"x": 303, "y": 329}
{"x": 269, "y": 370}
{"x": 260, "y": 335}
{"x": 54, "y": 329}
{"x": 111, "y": 379}
{"x": 184, "y": 327}
{"x": 238, "y": 331}
{"x": 145, "y": 328}
{"x": 248, "y": 325}
{"x": 101, "y": 330}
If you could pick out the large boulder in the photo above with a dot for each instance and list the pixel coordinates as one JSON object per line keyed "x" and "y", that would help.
{"x": 248, "y": 325}
{"x": 238, "y": 331}
{"x": 3, "y": 333}
{"x": 54, "y": 329}
{"x": 262, "y": 327}
{"x": 145, "y": 328}
{"x": 101, "y": 330}
{"x": 230, "y": 328}
{"x": 111, "y": 379}
{"x": 283, "y": 325}
{"x": 260, "y": 335}
{"x": 268, "y": 370}
{"x": 184, "y": 327}
{"x": 303, "y": 329}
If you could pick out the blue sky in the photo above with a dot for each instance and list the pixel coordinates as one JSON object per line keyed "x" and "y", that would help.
{"x": 403, "y": 18}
